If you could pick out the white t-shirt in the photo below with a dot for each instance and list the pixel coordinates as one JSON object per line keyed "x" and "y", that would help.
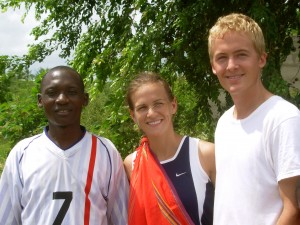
{"x": 40, "y": 180}
{"x": 252, "y": 155}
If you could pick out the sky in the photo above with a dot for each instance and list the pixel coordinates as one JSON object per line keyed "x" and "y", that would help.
{"x": 15, "y": 36}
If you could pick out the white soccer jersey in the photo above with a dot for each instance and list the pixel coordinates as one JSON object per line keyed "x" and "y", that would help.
{"x": 43, "y": 184}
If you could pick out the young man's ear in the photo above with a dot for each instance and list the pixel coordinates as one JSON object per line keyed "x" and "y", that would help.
{"x": 263, "y": 60}
{"x": 213, "y": 68}
{"x": 86, "y": 99}
{"x": 39, "y": 100}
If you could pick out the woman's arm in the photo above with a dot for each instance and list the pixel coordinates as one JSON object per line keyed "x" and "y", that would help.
{"x": 128, "y": 165}
{"x": 207, "y": 158}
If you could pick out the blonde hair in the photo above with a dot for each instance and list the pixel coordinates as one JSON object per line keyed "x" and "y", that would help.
{"x": 239, "y": 23}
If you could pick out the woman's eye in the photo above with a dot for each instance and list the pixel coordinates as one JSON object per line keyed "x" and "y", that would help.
{"x": 141, "y": 109}
{"x": 158, "y": 104}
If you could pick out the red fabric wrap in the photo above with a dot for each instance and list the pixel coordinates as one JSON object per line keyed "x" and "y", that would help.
{"x": 153, "y": 199}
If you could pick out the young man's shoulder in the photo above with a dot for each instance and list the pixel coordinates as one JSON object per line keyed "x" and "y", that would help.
{"x": 24, "y": 143}
{"x": 279, "y": 107}
{"x": 17, "y": 151}
{"x": 108, "y": 146}
{"x": 105, "y": 141}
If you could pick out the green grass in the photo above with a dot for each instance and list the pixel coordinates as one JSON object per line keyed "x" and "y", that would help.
{"x": 4, "y": 149}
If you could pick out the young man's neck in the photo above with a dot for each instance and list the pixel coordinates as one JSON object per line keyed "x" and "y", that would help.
{"x": 245, "y": 105}
{"x": 65, "y": 137}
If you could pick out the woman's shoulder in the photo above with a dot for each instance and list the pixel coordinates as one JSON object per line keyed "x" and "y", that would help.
{"x": 129, "y": 163}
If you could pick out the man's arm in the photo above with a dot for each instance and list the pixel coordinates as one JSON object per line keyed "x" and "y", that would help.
{"x": 289, "y": 189}
{"x": 10, "y": 206}
{"x": 118, "y": 192}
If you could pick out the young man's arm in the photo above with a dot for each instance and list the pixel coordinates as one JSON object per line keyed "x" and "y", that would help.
{"x": 117, "y": 199}
{"x": 10, "y": 189}
{"x": 288, "y": 189}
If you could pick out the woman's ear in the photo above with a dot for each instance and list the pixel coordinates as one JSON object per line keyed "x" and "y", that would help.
{"x": 174, "y": 106}
{"x": 132, "y": 115}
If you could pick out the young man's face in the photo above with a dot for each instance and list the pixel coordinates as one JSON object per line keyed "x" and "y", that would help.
{"x": 62, "y": 98}
{"x": 236, "y": 63}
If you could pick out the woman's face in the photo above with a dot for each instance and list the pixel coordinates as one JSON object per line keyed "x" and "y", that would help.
{"x": 153, "y": 110}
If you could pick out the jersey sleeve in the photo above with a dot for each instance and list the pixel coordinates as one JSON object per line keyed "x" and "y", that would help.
{"x": 10, "y": 189}
{"x": 117, "y": 202}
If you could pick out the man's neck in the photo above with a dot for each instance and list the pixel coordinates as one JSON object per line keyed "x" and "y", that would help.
{"x": 245, "y": 105}
{"x": 65, "y": 137}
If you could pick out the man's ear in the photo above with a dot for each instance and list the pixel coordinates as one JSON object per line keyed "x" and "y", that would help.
{"x": 213, "y": 68}
{"x": 86, "y": 99}
{"x": 39, "y": 100}
{"x": 262, "y": 60}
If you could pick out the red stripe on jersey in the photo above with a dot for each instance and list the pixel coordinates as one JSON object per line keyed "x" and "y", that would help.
{"x": 89, "y": 179}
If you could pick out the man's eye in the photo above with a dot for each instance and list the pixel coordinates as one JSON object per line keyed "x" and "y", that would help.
{"x": 51, "y": 93}
{"x": 72, "y": 92}
{"x": 242, "y": 55}
{"x": 221, "y": 58}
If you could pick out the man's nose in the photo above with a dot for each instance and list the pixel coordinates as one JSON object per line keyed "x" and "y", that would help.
{"x": 62, "y": 98}
{"x": 232, "y": 64}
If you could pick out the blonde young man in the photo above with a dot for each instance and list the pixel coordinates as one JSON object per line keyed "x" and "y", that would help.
{"x": 257, "y": 140}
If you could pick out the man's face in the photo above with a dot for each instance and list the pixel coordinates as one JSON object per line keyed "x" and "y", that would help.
{"x": 62, "y": 97}
{"x": 236, "y": 63}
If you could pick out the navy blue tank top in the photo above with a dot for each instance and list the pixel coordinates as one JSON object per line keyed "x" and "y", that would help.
{"x": 180, "y": 174}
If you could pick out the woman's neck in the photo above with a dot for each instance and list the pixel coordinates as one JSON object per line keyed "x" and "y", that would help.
{"x": 165, "y": 147}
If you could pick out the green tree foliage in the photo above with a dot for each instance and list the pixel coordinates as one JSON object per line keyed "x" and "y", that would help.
{"x": 110, "y": 41}
{"x": 4, "y": 80}
{"x": 20, "y": 117}
{"x": 11, "y": 67}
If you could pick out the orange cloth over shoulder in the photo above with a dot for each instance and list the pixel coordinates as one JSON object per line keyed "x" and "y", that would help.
{"x": 153, "y": 199}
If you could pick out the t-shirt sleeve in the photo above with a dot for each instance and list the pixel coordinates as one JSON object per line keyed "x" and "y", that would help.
{"x": 285, "y": 149}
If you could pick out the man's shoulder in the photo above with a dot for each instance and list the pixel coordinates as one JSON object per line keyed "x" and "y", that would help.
{"x": 104, "y": 140}
{"x": 107, "y": 145}
{"x": 24, "y": 143}
{"x": 279, "y": 107}
{"x": 21, "y": 146}
{"x": 227, "y": 114}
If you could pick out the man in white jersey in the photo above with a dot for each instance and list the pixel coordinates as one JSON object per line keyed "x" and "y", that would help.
{"x": 257, "y": 142}
{"x": 64, "y": 175}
